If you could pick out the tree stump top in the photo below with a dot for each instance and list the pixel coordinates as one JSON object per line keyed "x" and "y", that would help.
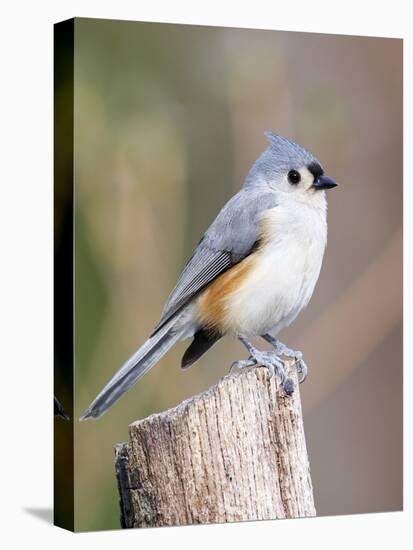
{"x": 234, "y": 452}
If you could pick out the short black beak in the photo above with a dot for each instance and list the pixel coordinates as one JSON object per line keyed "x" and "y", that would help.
{"x": 324, "y": 182}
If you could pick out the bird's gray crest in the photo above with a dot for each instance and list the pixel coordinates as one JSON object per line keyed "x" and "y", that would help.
{"x": 281, "y": 156}
{"x": 289, "y": 151}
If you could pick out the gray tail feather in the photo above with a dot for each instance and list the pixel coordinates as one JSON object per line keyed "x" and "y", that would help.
{"x": 135, "y": 367}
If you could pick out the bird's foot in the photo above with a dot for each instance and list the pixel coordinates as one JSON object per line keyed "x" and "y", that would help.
{"x": 267, "y": 359}
{"x": 282, "y": 349}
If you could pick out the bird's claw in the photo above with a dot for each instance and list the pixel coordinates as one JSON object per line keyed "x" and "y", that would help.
{"x": 266, "y": 359}
{"x": 302, "y": 369}
{"x": 242, "y": 363}
{"x": 282, "y": 349}
{"x": 288, "y": 386}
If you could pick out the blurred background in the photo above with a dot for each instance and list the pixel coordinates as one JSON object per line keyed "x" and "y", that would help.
{"x": 168, "y": 120}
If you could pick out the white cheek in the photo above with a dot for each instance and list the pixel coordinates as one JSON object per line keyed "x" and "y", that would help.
{"x": 300, "y": 188}
{"x": 306, "y": 182}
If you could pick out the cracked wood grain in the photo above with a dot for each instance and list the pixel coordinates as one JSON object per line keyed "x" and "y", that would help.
{"x": 235, "y": 452}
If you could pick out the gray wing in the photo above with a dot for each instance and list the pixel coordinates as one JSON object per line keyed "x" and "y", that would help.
{"x": 228, "y": 240}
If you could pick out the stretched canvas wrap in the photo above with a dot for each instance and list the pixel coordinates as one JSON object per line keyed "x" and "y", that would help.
{"x": 156, "y": 128}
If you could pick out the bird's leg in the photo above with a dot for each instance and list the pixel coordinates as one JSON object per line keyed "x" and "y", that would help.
{"x": 282, "y": 349}
{"x": 266, "y": 359}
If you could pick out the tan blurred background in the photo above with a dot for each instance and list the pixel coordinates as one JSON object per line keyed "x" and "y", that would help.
{"x": 168, "y": 120}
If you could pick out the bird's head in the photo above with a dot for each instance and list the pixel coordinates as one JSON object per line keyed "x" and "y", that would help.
{"x": 287, "y": 167}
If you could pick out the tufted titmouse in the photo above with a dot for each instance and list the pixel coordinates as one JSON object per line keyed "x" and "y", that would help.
{"x": 251, "y": 274}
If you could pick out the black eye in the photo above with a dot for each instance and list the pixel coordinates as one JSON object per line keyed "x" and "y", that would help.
{"x": 294, "y": 177}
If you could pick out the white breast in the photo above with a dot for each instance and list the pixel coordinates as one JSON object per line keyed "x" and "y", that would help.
{"x": 285, "y": 273}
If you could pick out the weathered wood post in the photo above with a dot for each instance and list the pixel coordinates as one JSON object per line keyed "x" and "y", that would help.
{"x": 235, "y": 452}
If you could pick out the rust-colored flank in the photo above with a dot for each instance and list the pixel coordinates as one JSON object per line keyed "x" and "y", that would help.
{"x": 213, "y": 301}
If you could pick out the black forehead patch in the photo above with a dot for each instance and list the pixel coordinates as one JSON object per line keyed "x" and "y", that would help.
{"x": 315, "y": 169}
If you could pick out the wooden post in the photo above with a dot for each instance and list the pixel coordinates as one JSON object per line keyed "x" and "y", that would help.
{"x": 233, "y": 453}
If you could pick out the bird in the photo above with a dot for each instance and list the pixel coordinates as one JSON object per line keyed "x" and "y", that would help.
{"x": 251, "y": 274}
{"x": 58, "y": 409}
